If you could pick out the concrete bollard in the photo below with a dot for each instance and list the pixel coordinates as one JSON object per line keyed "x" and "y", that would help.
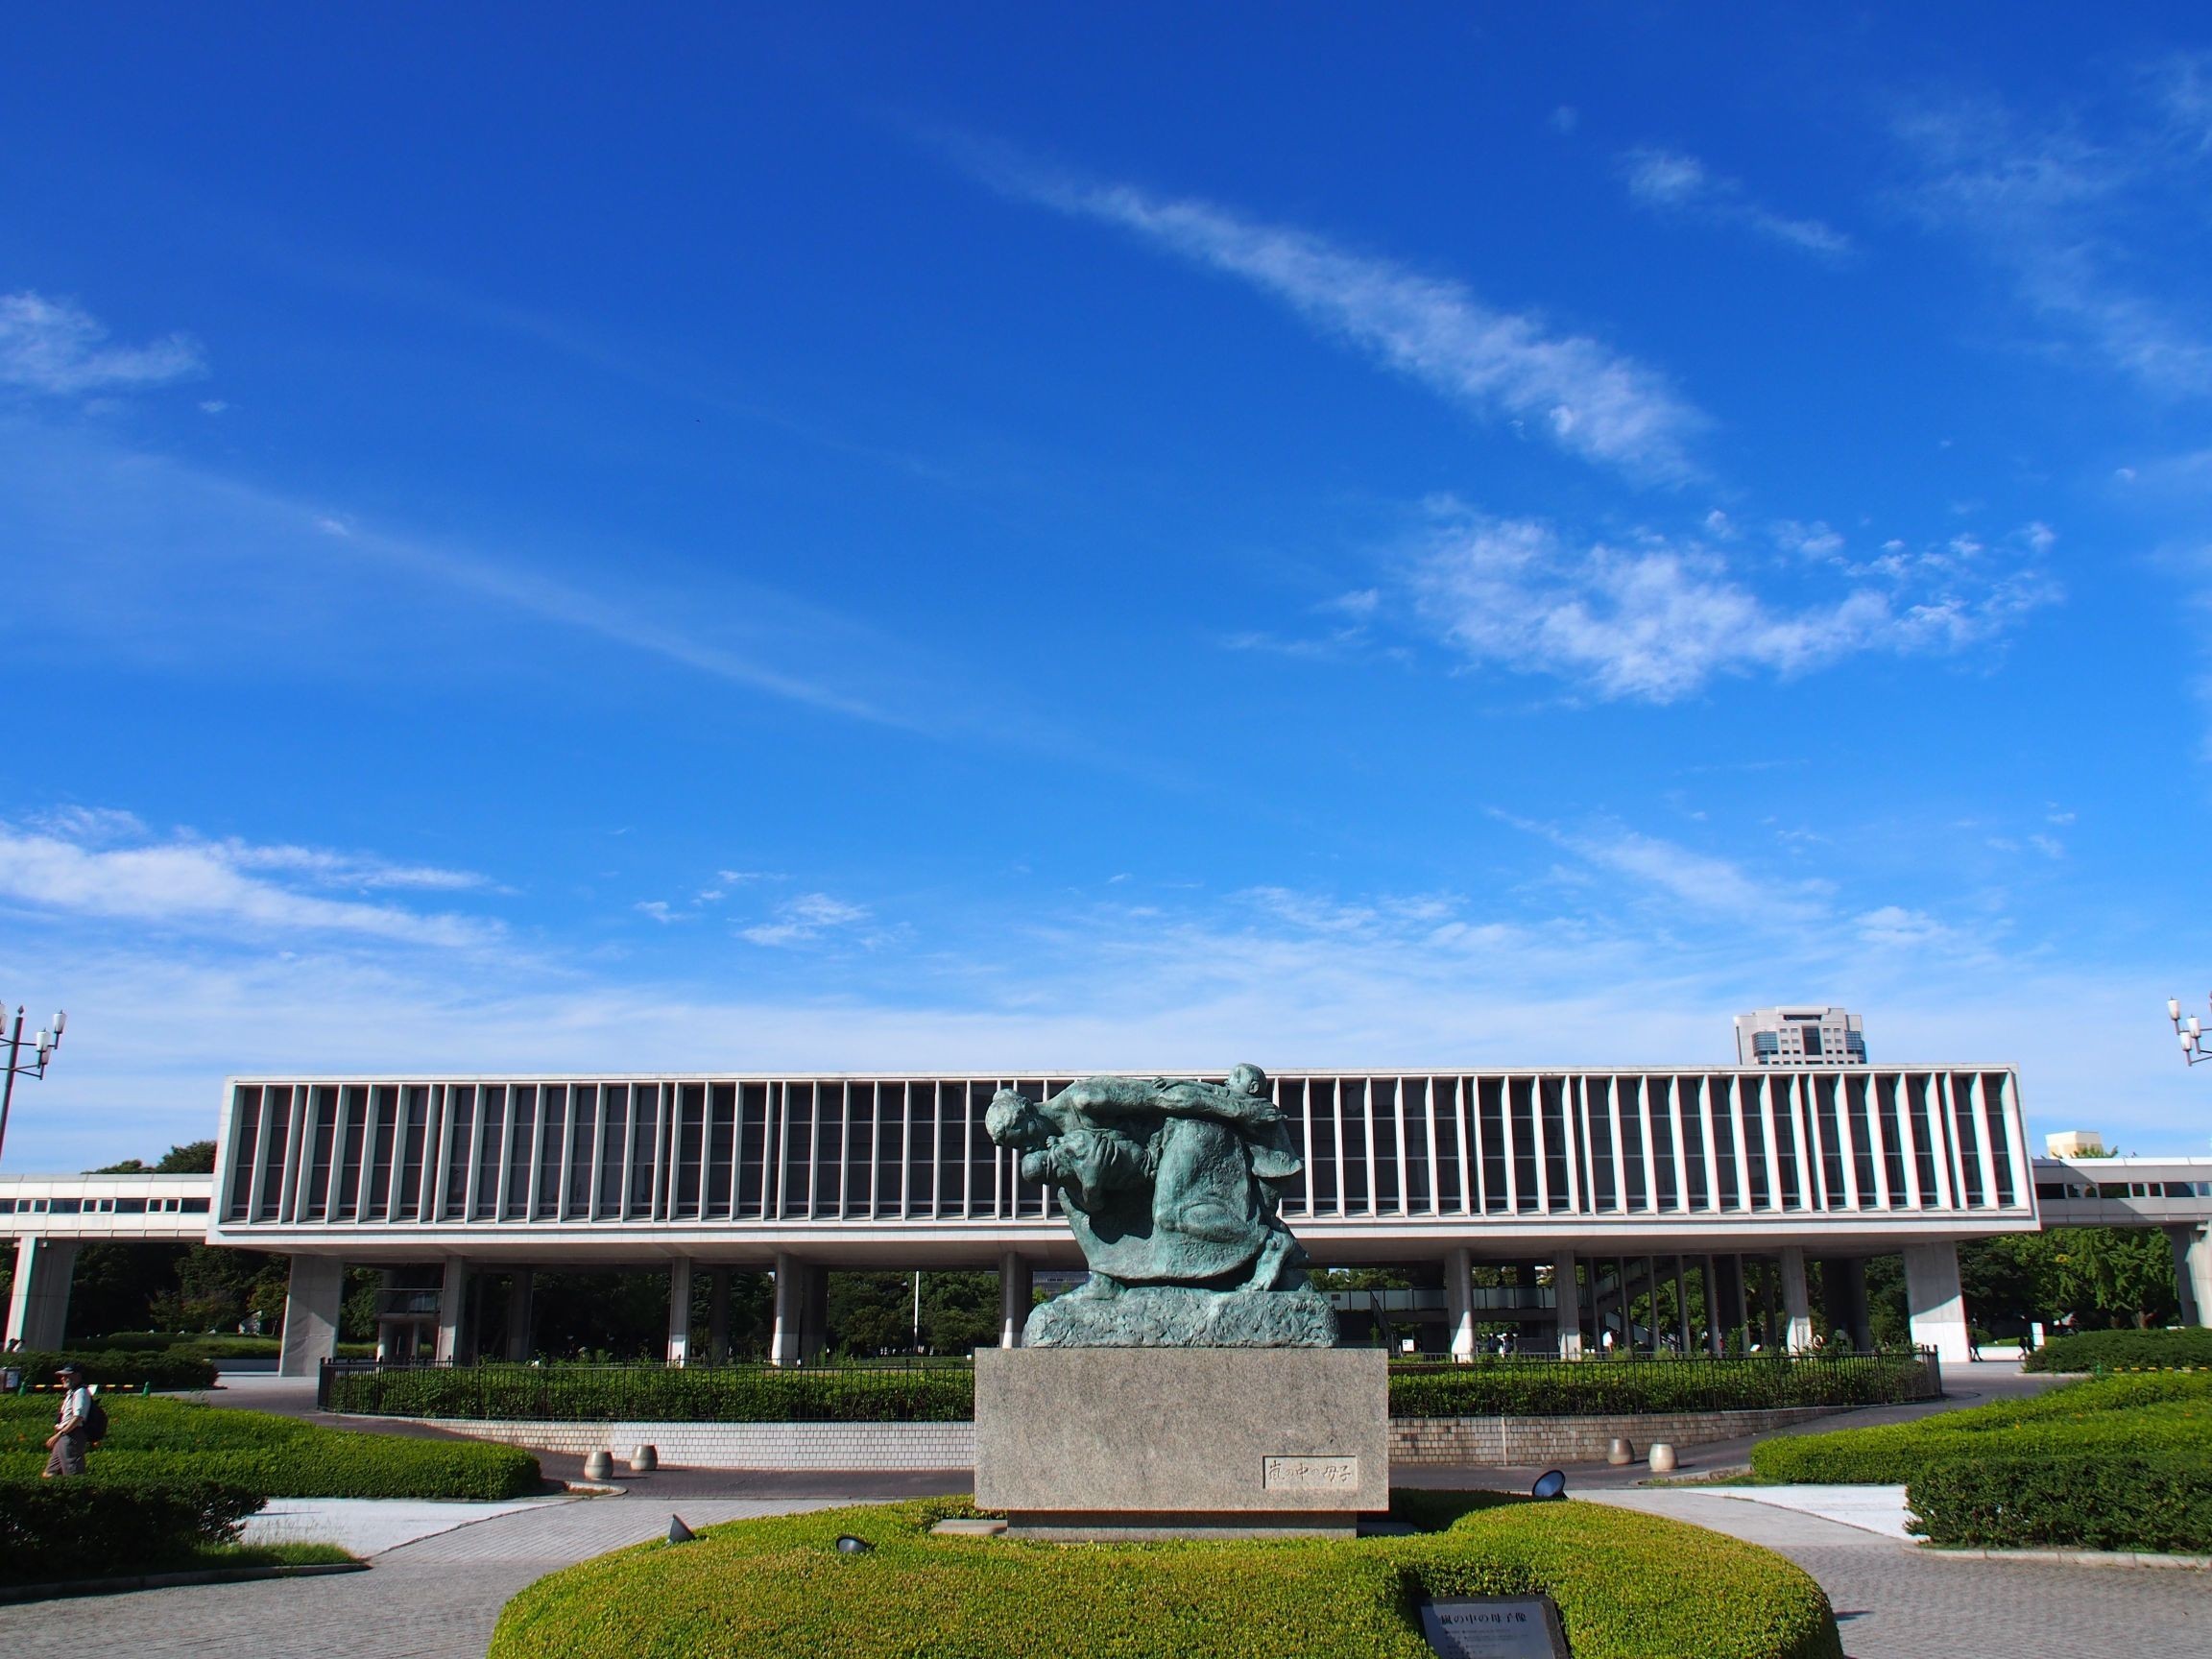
{"x": 644, "y": 1460}
{"x": 1619, "y": 1452}
{"x": 599, "y": 1466}
{"x": 1662, "y": 1457}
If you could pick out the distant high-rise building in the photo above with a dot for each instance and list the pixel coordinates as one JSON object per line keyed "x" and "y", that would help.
{"x": 1800, "y": 1037}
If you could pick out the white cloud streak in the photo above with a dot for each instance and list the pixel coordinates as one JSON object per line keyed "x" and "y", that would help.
{"x": 1671, "y": 181}
{"x": 805, "y": 919}
{"x": 1656, "y": 619}
{"x": 1592, "y": 400}
{"x": 58, "y": 348}
{"x": 216, "y": 888}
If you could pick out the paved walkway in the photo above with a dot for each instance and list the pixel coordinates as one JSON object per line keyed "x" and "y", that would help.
{"x": 1895, "y": 1601}
{"x": 437, "y": 1599}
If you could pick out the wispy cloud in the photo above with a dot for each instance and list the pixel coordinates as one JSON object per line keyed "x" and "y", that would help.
{"x": 1672, "y": 181}
{"x": 805, "y": 920}
{"x": 1591, "y": 399}
{"x": 2074, "y": 209}
{"x": 218, "y": 887}
{"x": 1657, "y": 619}
{"x": 58, "y": 346}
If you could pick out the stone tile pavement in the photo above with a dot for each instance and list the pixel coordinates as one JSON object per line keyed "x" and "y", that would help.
{"x": 435, "y": 1598}
{"x": 1895, "y": 1601}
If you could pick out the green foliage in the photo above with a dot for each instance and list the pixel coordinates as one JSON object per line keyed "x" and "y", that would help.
{"x": 119, "y": 1368}
{"x": 193, "y": 1158}
{"x": 2188, "y": 1348}
{"x": 2068, "y": 1500}
{"x": 873, "y": 1313}
{"x": 2164, "y": 1417}
{"x": 155, "y": 1444}
{"x": 699, "y": 1393}
{"x": 1629, "y": 1586}
{"x": 1543, "y": 1388}
{"x": 52, "y": 1531}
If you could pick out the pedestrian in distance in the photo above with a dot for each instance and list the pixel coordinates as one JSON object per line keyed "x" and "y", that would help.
{"x": 79, "y": 1425}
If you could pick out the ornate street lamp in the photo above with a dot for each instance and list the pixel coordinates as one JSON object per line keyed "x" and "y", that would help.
{"x": 42, "y": 1048}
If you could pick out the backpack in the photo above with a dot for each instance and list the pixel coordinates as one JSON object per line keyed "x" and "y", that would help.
{"x": 95, "y": 1424}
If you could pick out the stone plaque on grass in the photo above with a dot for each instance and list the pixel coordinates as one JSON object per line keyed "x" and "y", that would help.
{"x": 1494, "y": 1627}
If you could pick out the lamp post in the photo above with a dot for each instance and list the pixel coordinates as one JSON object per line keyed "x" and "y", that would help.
{"x": 42, "y": 1046}
{"x": 2191, "y": 1031}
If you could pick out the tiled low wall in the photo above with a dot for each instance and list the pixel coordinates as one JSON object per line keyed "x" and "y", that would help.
{"x": 1474, "y": 1441}
{"x": 745, "y": 1445}
{"x": 1520, "y": 1442}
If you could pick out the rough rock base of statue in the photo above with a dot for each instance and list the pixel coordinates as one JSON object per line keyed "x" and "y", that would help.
{"x": 1130, "y": 1443}
{"x": 1183, "y": 1316}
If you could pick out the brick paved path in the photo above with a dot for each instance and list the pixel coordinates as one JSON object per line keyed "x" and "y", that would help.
{"x": 1896, "y": 1601}
{"x": 438, "y": 1598}
{"x": 433, "y": 1600}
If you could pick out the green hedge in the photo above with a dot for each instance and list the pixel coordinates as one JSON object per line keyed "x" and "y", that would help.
{"x": 2083, "y": 1501}
{"x": 2164, "y": 1417}
{"x": 1629, "y": 1586}
{"x": 1555, "y": 1389}
{"x": 58, "y": 1530}
{"x": 117, "y": 1368}
{"x": 834, "y": 1394}
{"x": 214, "y": 1344}
{"x": 658, "y": 1393}
{"x": 2181, "y": 1350}
{"x": 154, "y": 1444}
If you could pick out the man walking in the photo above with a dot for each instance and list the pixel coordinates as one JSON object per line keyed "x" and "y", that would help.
{"x": 67, "y": 1444}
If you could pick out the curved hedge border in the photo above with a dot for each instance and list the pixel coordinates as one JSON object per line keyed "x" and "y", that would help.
{"x": 2184, "y": 1350}
{"x": 60, "y": 1530}
{"x": 1629, "y": 1586}
{"x": 117, "y": 1368}
{"x": 833, "y": 1394}
{"x": 153, "y": 1445}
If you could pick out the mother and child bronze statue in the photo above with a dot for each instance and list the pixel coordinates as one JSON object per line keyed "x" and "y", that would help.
{"x": 1174, "y": 1189}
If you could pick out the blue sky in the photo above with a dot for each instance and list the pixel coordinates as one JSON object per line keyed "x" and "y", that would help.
{"x": 1101, "y": 536}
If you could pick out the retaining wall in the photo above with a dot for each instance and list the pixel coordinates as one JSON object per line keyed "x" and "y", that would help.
{"x": 1495, "y": 1442}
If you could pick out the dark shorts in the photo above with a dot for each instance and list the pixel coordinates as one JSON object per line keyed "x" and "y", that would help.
{"x": 67, "y": 1456}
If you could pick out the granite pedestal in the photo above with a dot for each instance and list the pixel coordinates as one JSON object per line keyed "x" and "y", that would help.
{"x": 1134, "y": 1443}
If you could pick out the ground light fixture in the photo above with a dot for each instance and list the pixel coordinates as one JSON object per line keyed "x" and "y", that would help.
{"x": 677, "y": 1532}
{"x": 848, "y": 1544}
{"x": 42, "y": 1046}
{"x": 2191, "y": 1031}
{"x": 1552, "y": 1484}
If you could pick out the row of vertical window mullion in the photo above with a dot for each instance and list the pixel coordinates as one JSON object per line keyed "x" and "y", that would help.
{"x": 1981, "y": 1141}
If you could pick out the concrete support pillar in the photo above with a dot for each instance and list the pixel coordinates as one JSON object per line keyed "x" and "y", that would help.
{"x": 1710, "y": 1280}
{"x": 1459, "y": 1304}
{"x": 1682, "y": 1303}
{"x": 454, "y": 1333}
{"x": 1932, "y": 1299}
{"x": 521, "y": 1299}
{"x": 1014, "y": 1296}
{"x": 1729, "y": 1288}
{"x": 801, "y": 1304}
{"x": 1568, "y": 1297}
{"x": 680, "y": 1311}
{"x": 1796, "y": 1301}
{"x": 312, "y": 1302}
{"x": 39, "y": 1303}
{"x": 2192, "y": 1271}
{"x": 1846, "y": 1281}
{"x": 718, "y": 1317}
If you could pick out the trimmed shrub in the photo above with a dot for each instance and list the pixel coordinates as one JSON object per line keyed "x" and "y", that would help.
{"x": 837, "y": 1394}
{"x": 2161, "y": 1417}
{"x": 117, "y": 1368}
{"x": 52, "y": 1531}
{"x": 1629, "y": 1586}
{"x": 1557, "y": 1388}
{"x": 2083, "y": 1501}
{"x": 2189, "y": 1349}
{"x": 159, "y": 1443}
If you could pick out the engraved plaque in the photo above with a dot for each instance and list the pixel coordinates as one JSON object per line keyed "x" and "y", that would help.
{"x": 1312, "y": 1475}
{"x": 1494, "y": 1627}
